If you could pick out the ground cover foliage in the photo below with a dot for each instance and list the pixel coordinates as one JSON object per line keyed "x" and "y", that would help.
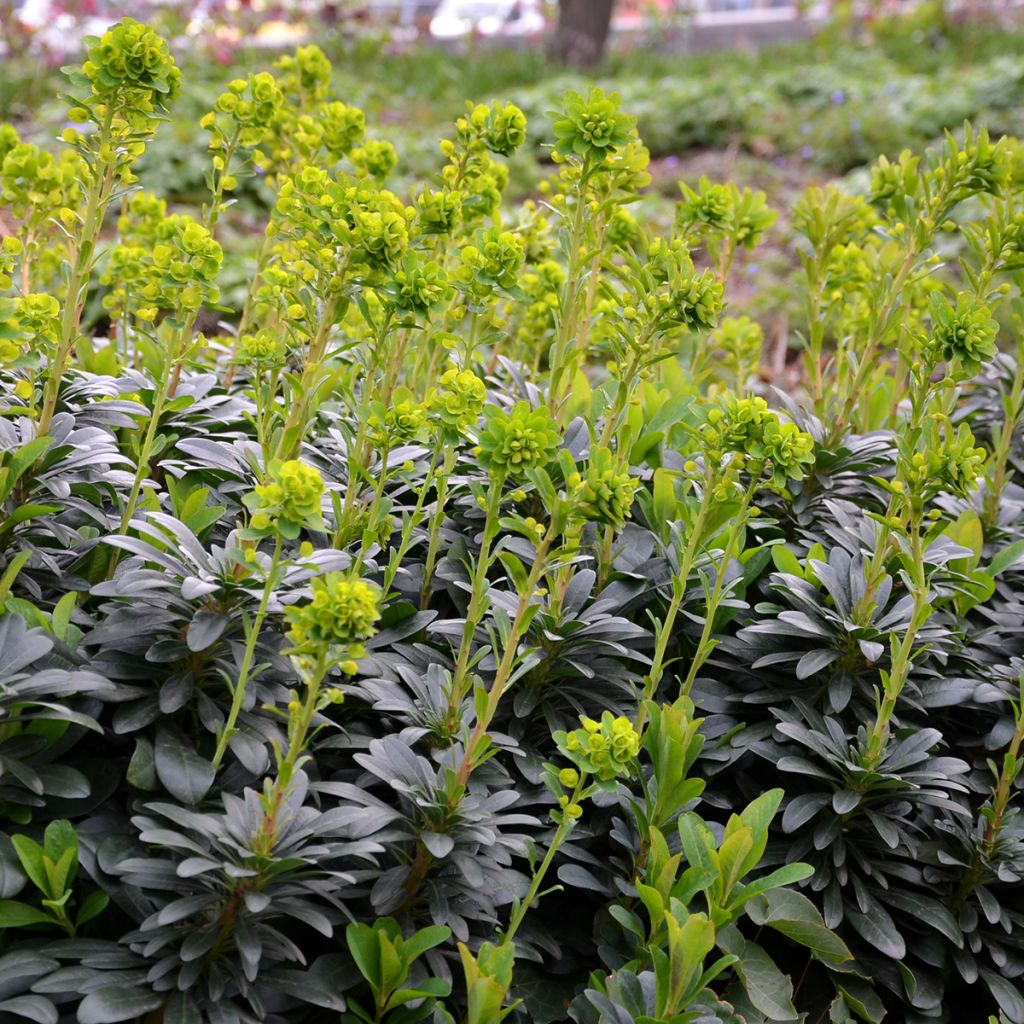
{"x": 459, "y": 630}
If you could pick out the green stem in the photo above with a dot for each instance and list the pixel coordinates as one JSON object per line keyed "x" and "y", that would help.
{"x": 700, "y": 655}
{"x": 78, "y": 281}
{"x": 505, "y": 667}
{"x": 653, "y": 678}
{"x": 478, "y": 598}
{"x": 560, "y": 350}
{"x": 436, "y": 521}
{"x": 565, "y": 827}
{"x": 238, "y": 696}
{"x": 900, "y": 669}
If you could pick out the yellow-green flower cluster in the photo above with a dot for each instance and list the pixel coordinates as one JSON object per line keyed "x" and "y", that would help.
{"x": 143, "y": 218}
{"x": 248, "y": 106}
{"x": 687, "y": 300}
{"x": 417, "y": 287}
{"x": 965, "y": 332}
{"x": 958, "y": 463}
{"x": 605, "y": 749}
{"x": 623, "y": 229}
{"x": 10, "y": 249}
{"x": 950, "y": 462}
{"x": 710, "y": 204}
{"x": 438, "y": 212}
{"x": 29, "y": 319}
{"x": 375, "y": 158}
{"x": 604, "y": 493}
{"x": 265, "y": 347}
{"x": 542, "y": 288}
{"x": 518, "y": 441}
{"x": 746, "y": 426}
{"x": 500, "y": 127}
{"x": 131, "y": 56}
{"x": 459, "y": 399}
{"x": 288, "y": 500}
{"x": 10, "y": 332}
{"x": 341, "y": 128}
{"x": 306, "y": 74}
{"x": 591, "y": 128}
{"x": 340, "y": 616}
{"x": 36, "y": 186}
{"x": 495, "y": 259}
{"x": 186, "y": 260}
{"x": 334, "y": 222}
{"x": 481, "y": 184}
{"x": 740, "y": 339}
{"x": 401, "y": 421}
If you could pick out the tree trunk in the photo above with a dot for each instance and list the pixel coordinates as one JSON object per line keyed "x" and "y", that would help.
{"x": 583, "y": 27}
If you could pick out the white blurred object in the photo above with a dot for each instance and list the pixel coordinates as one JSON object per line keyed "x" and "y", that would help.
{"x": 497, "y": 19}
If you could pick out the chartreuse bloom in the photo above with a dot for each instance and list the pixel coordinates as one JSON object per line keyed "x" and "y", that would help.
{"x": 603, "y": 494}
{"x": 375, "y": 158}
{"x": 131, "y": 56}
{"x": 500, "y": 127}
{"x": 288, "y": 501}
{"x": 592, "y": 128}
{"x": 418, "y": 286}
{"x": 10, "y": 250}
{"x": 495, "y": 259}
{"x": 265, "y": 347}
{"x": 741, "y": 340}
{"x": 307, "y": 72}
{"x": 747, "y": 427}
{"x": 402, "y": 420}
{"x": 965, "y": 332}
{"x": 957, "y": 462}
{"x": 605, "y": 749}
{"x": 459, "y": 399}
{"x": 950, "y": 462}
{"x": 711, "y": 204}
{"x": 515, "y": 442}
{"x": 438, "y": 212}
{"x": 337, "y": 620}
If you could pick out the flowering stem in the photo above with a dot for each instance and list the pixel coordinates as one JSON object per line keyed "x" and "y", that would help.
{"x": 298, "y": 732}
{"x": 238, "y": 695}
{"x": 262, "y": 257}
{"x": 478, "y": 597}
{"x": 999, "y": 474}
{"x": 212, "y": 213}
{"x": 701, "y": 654}
{"x": 612, "y": 418}
{"x": 866, "y": 358}
{"x": 565, "y": 827}
{"x": 436, "y": 520}
{"x": 78, "y": 281}
{"x": 160, "y": 397}
{"x": 295, "y": 424}
{"x": 679, "y": 582}
{"x": 410, "y": 525}
{"x": 892, "y": 685}
{"x": 560, "y": 351}
{"x": 470, "y": 757}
